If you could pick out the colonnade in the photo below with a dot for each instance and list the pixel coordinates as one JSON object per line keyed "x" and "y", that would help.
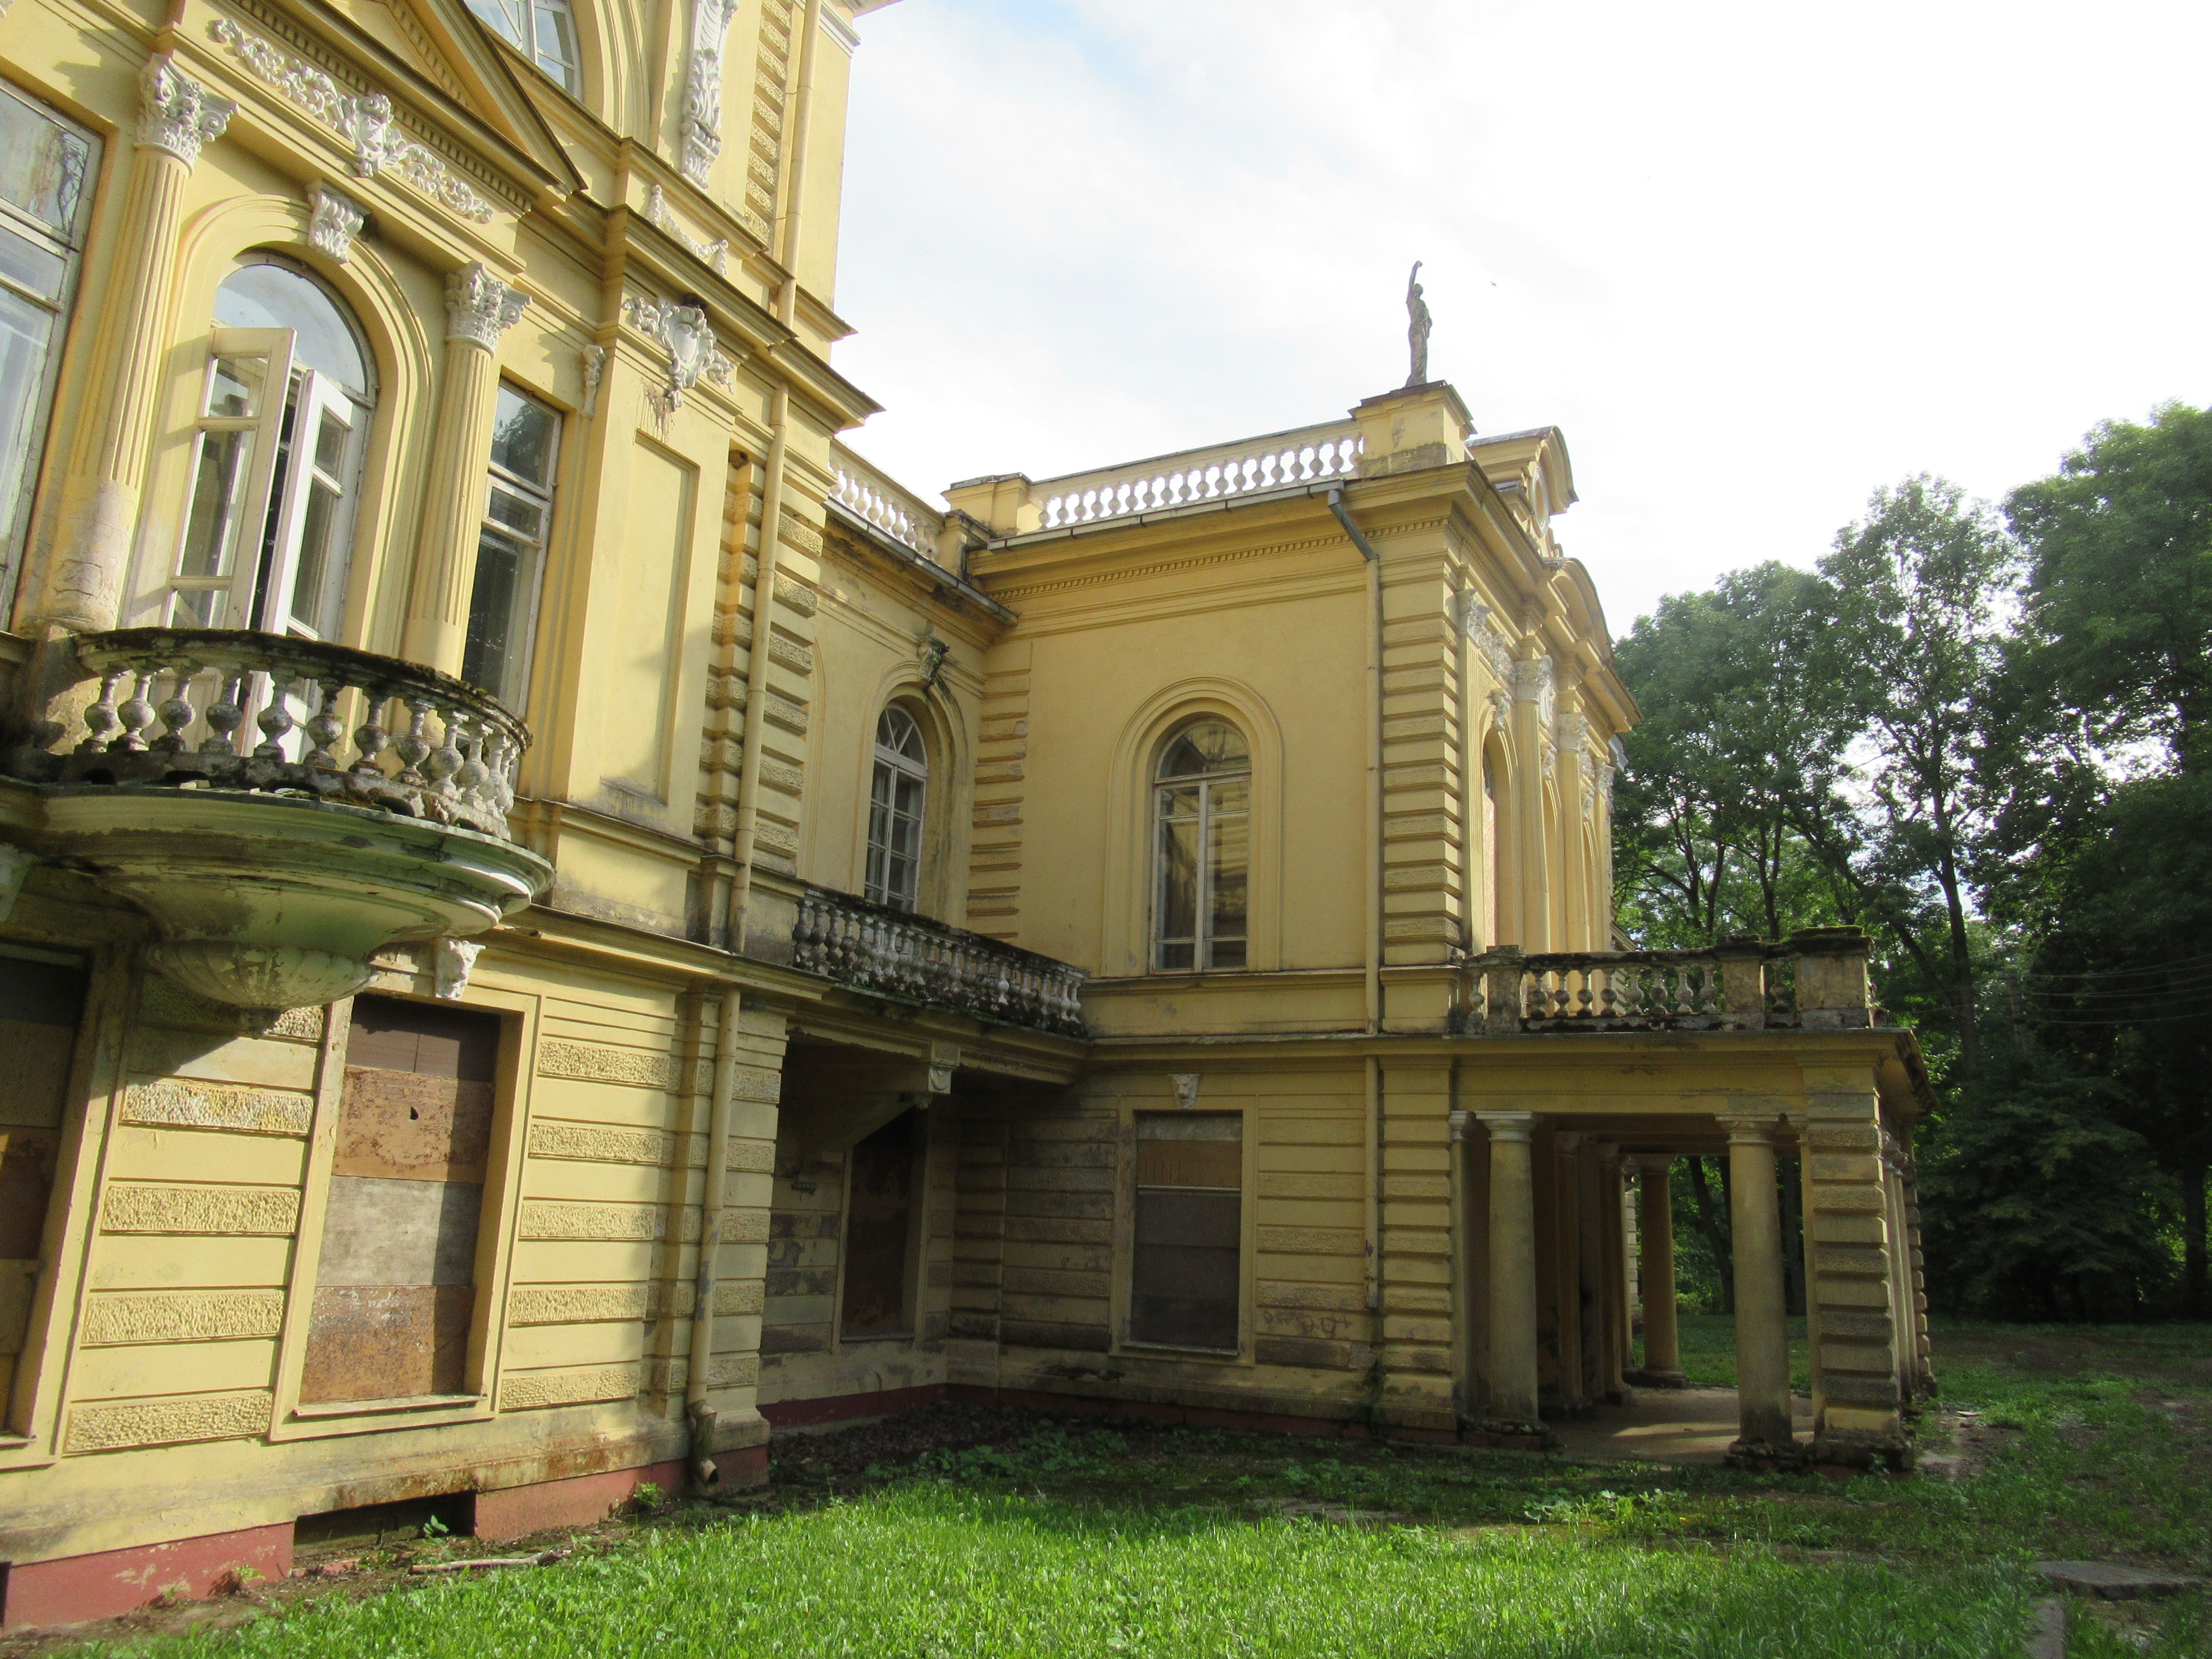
{"x": 1545, "y": 1270}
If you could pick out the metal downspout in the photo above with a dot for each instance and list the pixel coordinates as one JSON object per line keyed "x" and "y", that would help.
{"x": 704, "y": 1473}
{"x": 1374, "y": 1080}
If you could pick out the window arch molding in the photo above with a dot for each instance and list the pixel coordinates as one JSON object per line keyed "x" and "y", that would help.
{"x": 1125, "y": 932}
{"x": 389, "y": 306}
{"x": 941, "y": 891}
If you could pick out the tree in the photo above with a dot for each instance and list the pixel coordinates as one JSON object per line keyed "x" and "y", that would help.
{"x": 2119, "y": 591}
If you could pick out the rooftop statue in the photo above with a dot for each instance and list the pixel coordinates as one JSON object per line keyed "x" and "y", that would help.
{"x": 1416, "y": 310}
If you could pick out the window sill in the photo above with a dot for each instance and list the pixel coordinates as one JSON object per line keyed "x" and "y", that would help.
{"x": 323, "y": 1411}
{"x": 1180, "y": 1352}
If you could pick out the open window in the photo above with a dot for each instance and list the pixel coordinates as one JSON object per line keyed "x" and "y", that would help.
{"x": 544, "y": 31}
{"x": 518, "y": 516}
{"x": 1202, "y": 843}
{"x": 897, "y": 800}
{"x": 276, "y": 459}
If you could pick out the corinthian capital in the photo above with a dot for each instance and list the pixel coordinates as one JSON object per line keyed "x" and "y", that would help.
{"x": 479, "y": 308}
{"x": 176, "y": 114}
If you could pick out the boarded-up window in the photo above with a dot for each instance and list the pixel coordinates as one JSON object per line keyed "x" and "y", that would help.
{"x": 1185, "y": 1270}
{"x": 879, "y": 1230}
{"x": 395, "y": 1293}
{"x": 40, "y": 1002}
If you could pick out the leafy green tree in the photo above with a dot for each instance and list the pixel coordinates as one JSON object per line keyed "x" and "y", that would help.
{"x": 2119, "y": 593}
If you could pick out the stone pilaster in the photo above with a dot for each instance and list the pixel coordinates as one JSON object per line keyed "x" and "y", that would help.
{"x": 80, "y": 589}
{"x": 479, "y": 309}
{"x": 1849, "y": 1237}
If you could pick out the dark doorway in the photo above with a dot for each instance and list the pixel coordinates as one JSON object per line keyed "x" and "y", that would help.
{"x": 879, "y": 1228}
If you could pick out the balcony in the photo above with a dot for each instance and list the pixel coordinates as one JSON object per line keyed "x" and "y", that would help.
{"x": 907, "y": 958}
{"x": 1816, "y": 981}
{"x": 282, "y": 809}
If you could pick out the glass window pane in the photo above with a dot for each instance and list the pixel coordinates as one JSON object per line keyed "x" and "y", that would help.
{"x": 1179, "y": 803}
{"x": 219, "y": 481}
{"x": 1228, "y": 852}
{"x": 517, "y": 513}
{"x": 1212, "y": 746}
{"x": 24, "y": 331}
{"x": 556, "y": 42}
{"x": 42, "y": 163}
{"x": 1178, "y": 900}
{"x": 330, "y": 444}
{"x": 234, "y": 387}
{"x": 38, "y": 269}
{"x": 265, "y": 295}
{"x": 504, "y": 569}
{"x": 522, "y": 434}
{"x": 313, "y": 568}
{"x": 506, "y": 20}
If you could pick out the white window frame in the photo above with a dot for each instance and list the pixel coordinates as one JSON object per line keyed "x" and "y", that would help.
{"x": 520, "y": 23}
{"x": 1203, "y": 940}
{"x": 523, "y": 649}
{"x": 892, "y": 765}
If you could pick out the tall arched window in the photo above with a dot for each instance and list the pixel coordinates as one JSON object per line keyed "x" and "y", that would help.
{"x": 277, "y": 461}
{"x": 896, "y": 801}
{"x": 1493, "y": 856}
{"x": 1202, "y": 837}
{"x": 544, "y": 31}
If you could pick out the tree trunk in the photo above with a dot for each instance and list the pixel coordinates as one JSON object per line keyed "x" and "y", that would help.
{"x": 2193, "y": 1303}
{"x": 1793, "y": 1238}
{"x": 1711, "y": 1223}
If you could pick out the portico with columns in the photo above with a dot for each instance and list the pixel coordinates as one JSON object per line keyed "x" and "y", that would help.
{"x": 1555, "y": 1116}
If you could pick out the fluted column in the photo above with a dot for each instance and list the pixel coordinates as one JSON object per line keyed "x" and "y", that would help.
{"x": 1513, "y": 1371}
{"x": 479, "y": 308}
{"x": 81, "y": 589}
{"x": 1762, "y": 1328}
{"x": 1655, "y": 1232}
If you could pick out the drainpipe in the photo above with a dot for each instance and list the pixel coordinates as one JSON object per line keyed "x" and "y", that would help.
{"x": 786, "y": 309}
{"x": 704, "y": 1473}
{"x": 1374, "y": 1089}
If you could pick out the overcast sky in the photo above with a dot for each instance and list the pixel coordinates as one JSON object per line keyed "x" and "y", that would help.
{"x": 1755, "y": 260}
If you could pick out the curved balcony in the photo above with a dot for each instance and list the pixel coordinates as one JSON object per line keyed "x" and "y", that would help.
{"x": 285, "y": 809}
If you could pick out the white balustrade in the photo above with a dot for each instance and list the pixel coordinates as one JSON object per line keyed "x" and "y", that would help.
{"x": 1311, "y": 454}
{"x": 873, "y": 948}
{"x": 233, "y": 710}
{"x": 876, "y": 500}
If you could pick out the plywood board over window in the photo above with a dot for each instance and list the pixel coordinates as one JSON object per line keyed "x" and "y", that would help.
{"x": 40, "y": 1003}
{"x": 1185, "y": 1266}
{"x": 395, "y": 1296}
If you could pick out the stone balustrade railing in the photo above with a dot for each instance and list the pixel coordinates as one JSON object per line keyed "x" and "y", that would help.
{"x": 226, "y": 709}
{"x": 1816, "y": 979}
{"x": 876, "y": 499}
{"x": 890, "y": 953}
{"x": 1243, "y": 468}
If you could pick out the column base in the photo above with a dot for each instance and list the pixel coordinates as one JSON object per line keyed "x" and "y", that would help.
{"x": 1768, "y": 1457}
{"x": 1873, "y": 1454}
{"x": 1644, "y": 1379}
{"x": 1509, "y": 1434}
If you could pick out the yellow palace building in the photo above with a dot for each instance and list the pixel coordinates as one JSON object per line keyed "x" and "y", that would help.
{"x": 553, "y": 921}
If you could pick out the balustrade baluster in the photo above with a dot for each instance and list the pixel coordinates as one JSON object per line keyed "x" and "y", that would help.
{"x": 445, "y": 758}
{"x": 412, "y": 745}
{"x": 371, "y": 735}
{"x": 324, "y": 729}
{"x": 101, "y": 720}
{"x": 177, "y": 712}
{"x": 274, "y": 719}
{"x": 136, "y": 714}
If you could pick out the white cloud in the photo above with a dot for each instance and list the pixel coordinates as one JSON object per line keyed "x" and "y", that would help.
{"x": 1755, "y": 260}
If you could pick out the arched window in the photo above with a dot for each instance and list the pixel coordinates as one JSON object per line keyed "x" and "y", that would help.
{"x": 896, "y": 801}
{"x": 544, "y": 31}
{"x": 277, "y": 461}
{"x": 1202, "y": 813}
{"x": 1493, "y": 856}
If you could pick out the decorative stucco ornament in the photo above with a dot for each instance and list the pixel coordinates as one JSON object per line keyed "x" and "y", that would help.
{"x": 1186, "y": 1088}
{"x": 336, "y": 220}
{"x": 456, "y": 959}
{"x": 684, "y": 334}
{"x": 595, "y": 367}
{"x": 1419, "y": 324}
{"x": 702, "y": 88}
{"x": 479, "y": 308}
{"x": 177, "y": 114}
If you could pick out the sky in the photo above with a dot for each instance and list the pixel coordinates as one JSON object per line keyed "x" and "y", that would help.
{"x": 1755, "y": 261}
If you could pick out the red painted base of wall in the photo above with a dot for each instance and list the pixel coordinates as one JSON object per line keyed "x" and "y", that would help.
{"x": 580, "y": 1502}
{"x": 80, "y": 1587}
{"x": 837, "y": 1407}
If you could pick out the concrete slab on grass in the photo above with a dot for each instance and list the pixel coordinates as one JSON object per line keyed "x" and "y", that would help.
{"x": 2114, "y": 1581}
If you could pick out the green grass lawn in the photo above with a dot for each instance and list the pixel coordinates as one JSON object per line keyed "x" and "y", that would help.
{"x": 1078, "y": 1540}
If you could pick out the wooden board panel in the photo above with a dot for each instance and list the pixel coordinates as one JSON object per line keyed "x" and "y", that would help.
{"x": 1184, "y": 1275}
{"x": 400, "y": 1232}
{"x": 403, "y": 1125}
{"x": 414, "y": 1037}
{"x": 387, "y": 1342}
